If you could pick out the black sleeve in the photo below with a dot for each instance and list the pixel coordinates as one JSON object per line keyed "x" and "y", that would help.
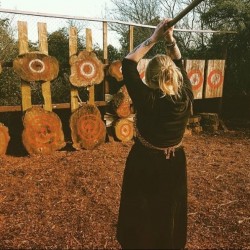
{"x": 114, "y": 85}
{"x": 186, "y": 80}
{"x": 139, "y": 92}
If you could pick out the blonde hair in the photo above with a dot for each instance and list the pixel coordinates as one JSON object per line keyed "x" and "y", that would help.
{"x": 162, "y": 73}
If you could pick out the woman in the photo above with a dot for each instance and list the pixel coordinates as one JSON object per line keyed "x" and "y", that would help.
{"x": 153, "y": 208}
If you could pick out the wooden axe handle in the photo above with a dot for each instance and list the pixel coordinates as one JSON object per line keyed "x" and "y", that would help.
{"x": 183, "y": 13}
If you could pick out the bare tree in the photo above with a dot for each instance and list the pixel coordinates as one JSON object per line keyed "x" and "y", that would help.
{"x": 134, "y": 11}
{"x": 192, "y": 21}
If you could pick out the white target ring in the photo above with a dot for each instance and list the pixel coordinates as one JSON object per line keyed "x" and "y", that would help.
{"x": 87, "y": 69}
{"x": 125, "y": 130}
{"x": 36, "y": 66}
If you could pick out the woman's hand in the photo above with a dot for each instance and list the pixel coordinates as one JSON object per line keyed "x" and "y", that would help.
{"x": 169, "y": 35}
{"x": 161, "y": 32}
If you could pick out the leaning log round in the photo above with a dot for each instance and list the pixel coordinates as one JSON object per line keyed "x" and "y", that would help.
{"x": 43, "y": 132}
{"x": 87, "y": 128}
{"x": 4, "y": 139}
{"x": 86, "y": 69}
{"x": 115, "y": 70}
{"x": 36, "y": 66}
{"x": 124, "y": 130}
{"x": 121, "y": 103}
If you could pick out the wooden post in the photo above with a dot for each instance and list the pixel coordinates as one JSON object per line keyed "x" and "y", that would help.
{"x": 89, "y": 47}
{"x": 131, "y": 38}
{"x": 72, "y": 51}
{"x": 43, "y": 47}
{"x": 24, "y": 48}
{"x": 105, "y": 54}
{"x": 224, "y": 56}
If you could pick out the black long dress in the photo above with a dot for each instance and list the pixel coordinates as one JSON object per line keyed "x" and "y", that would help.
{"x": 153, "y": 206}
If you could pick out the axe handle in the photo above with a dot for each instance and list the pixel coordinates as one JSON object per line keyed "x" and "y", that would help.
{"x": 183, "y": 13}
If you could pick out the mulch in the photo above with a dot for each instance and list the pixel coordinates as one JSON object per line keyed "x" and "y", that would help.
{"x": 70, "y": 199}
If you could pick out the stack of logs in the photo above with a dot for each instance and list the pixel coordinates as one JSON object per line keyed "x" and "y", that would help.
{"x": 119, "y": 120}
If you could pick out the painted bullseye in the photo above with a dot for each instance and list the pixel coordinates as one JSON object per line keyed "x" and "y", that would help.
{"x": 196, "y": 78}
{"x": 43, "y": 130}
{"x": 125, "y": 130}
{"x": 36, "y": 66}
{"x": 215, "y": 78}
{"x": 87, "y": 69}
{"x": 89, "y": 127}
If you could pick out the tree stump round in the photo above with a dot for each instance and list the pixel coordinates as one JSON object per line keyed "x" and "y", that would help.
{"x": 4, "y": 139}
{"x": 43, "y": 132}
{"x": 124, "y": 130}
{"x": 209, "y": 121}
{"x": 86, "y": 69}
{"x": 121, "y": 103}
{"x": 36, "y": 66}
{"x": 115, "y": 70}
{"x": 87, "y": 128}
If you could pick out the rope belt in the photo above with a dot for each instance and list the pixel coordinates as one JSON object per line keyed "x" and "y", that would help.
{"x": 167, "y": 151}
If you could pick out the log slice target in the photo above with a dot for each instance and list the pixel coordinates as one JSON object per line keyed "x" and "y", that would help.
{"x": 42, "y": 131}
{"x": 124, "y": 130}
{"x": 86, "y": 69}
{"x": 36, "y": 66}
{"x": 87, "y": 128}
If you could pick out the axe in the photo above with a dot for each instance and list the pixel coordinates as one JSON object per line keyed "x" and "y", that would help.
{"x": 183, "y": 13}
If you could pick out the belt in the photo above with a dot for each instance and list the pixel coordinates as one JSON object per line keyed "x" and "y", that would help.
{"x": 168, "y": 151}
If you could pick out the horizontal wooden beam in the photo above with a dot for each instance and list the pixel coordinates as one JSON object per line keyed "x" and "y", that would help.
{"x": 54, "y": 106}
{"x": 107, "y": 20}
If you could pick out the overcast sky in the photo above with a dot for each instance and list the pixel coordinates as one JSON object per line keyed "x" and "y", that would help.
{"x": 81, "y": 8}
{"x": 86, "y": 8}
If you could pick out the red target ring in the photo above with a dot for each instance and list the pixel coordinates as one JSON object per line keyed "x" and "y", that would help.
{"x": 215, "y": 78}
{"x": 196, "y": 78}
{"x": 43, "y": 130}
{"x": 89, "y": 127}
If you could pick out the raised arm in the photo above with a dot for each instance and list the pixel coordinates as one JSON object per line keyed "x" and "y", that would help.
{"x": 141, "y": 50}
{"x": 160, "y": 33}
{"x": 172, "y": 48}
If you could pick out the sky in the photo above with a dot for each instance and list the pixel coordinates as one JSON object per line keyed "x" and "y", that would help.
{"x": 86, "y": 8}
{"x": 81, "y": 8}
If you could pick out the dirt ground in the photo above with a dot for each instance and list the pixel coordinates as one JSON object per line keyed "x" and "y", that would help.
{"x": 70, "y": 199}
